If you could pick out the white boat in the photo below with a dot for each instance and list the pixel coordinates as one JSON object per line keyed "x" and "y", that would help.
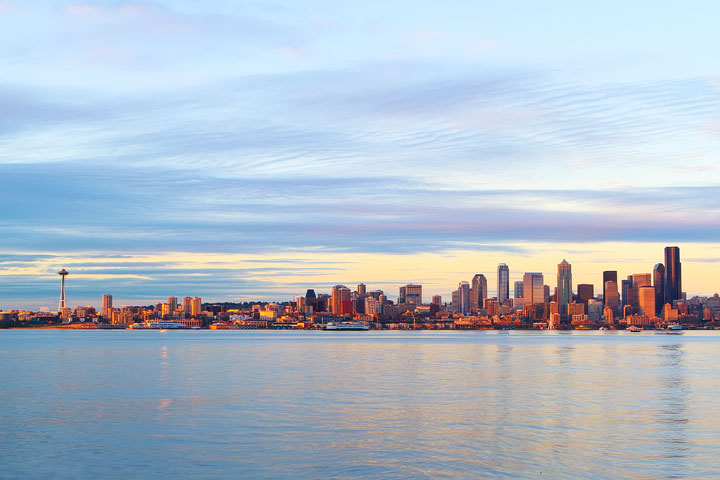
{"x": 633, "y": 328}
{"x": 166, "y": 325}
{"x": 356, "y": 326}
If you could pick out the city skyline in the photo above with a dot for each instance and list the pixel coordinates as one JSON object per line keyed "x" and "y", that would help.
{"x": 246, "y": 150}
{"x": 404, "y": 295}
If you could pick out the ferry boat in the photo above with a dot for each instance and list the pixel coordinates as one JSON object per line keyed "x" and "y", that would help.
{"x": 356, "y": 326}
{"x": 633, "y": 328}
{"x": 167, "y": 325}
{"x": 674, "y": 326}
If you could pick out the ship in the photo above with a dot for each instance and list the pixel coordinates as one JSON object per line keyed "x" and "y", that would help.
{"x": 633, "y": 328}
{"x": 356, "y": 326}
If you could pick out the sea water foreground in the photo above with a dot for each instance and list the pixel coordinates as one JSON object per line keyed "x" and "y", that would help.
{"x": 266, "y": 404}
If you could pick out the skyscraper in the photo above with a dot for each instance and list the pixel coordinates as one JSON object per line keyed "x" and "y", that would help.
{"x": 341, "y": 300}
{"x": 564, "y": 287}
{"x": 638, "y": 280}
{"x": 646, "y": 300}
{"x": 585, "y": 292}
{"x": 659, "y": 284}
{"x": 362, "y": 289}
{"x": 609, "y": 276}
{"x": 479, "y": 288}
{"x": 533, "y": 288}
{"x": 106, "y": 304}
{"x": 612, "y": 299}
{"x": 196, "y": 306}
{"x": 172, "y": 304}
{"x": 503, "y": 283}
{"x": 401, "y": 295}
{"x": 673, "y": 277}
{"x": 518, "y": 293}
{"x": 627, "y": 291}
{"x": 187, "y": 305}
{"x": 464, "y": 297}
{"x": 413, "y": 294}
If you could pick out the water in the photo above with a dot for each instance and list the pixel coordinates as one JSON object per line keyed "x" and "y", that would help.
{"x": 243, "y": 404}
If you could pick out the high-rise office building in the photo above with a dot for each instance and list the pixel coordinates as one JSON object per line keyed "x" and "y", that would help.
{"x": 639, "y": 280}
{"x": 627, "y": 291}
{"x": 503, "y": 283}
{"x": 479, "y": 289}
{"x": 646, "y": 300}
{"x": 612, "y": 295}
{"x": 437, "y": 300}
{"x": 311, "y": 299}
{"x": 609, "y": 276}
{"x": 187, "y": 305}
{"x": 341, "y": 300}
{"x": 659, "y": 284}
{"x": 362, "y": 289}
{"x": 106, "y": 304}
{"x": 673, "y": 277}
{"x": 401, "y": 295}
{"x": 196, "y": 306}
{"x": 463, "y": 297}
{"x": 172, "y": 304}
{"x": 585, "y": 291}
{"x": 518, "y": 291}
{"x": 564, "y": 287}
{"x": 533, "y": 288}
{"x": 413, "y": 294}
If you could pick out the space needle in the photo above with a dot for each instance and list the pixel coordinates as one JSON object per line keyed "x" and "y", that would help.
{"x": 63, "y": 273}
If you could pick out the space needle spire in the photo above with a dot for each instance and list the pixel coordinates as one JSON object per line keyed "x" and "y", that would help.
{"x": 63, "y": 273}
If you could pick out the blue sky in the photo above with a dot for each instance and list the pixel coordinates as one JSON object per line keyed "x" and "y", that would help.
{"x": 243, "y": 150}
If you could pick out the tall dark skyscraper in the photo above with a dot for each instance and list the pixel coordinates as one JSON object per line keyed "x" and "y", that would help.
{"x": 673, "y": 279}
{"x": 564, "y": 287}
{"x": 503, "y": 279}
{"x": 659, "y": 284}
{"x": 608, "y": 276}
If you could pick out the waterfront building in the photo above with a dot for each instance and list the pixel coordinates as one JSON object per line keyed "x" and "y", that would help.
{"x": 362, "y": 289}
{"x": 658, "y": 276}
{"x": 503, "y": 283}
{"x": 479, "y": 292}
{"x": 673, "y": 277}
{"x": 401, "y": 295}
{"x": 564, "y": 288}
{"x": 107, "y": 304}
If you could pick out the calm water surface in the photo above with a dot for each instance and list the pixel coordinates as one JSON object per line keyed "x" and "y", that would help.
{"x": 243, "y": 404}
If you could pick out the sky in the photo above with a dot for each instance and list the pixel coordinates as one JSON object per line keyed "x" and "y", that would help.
{"x": 251, "y": 150}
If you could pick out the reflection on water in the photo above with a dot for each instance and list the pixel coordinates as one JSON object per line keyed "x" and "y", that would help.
{"x": 358, "y": 405}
